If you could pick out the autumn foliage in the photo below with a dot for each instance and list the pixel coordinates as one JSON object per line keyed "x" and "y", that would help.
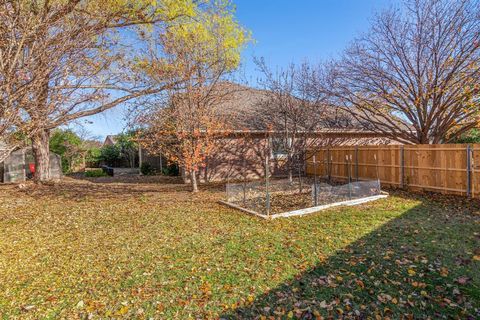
{"x": 186, "y": 122}
{"x": 62, "y": 60}
{"x": 186, "y": 130}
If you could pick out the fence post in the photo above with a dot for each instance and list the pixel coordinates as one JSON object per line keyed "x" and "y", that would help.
{"x": 356, "y": 163}
{"x": 348, "y": 159}
{"x": 402, "y": 167}
{"x": 315, "y": 192}
{"x": 300, "y": 162}
{"x": 472, "y": 171}
{"x": 228, "y": 172}
{"x": 329, "y": 165}
{"x": 469, "y": 171}
{"x": 244, "y": 181}
{"x": 267, "y": 192}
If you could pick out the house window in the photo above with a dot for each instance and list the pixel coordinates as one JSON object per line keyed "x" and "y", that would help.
{"x": 279, "y": 149}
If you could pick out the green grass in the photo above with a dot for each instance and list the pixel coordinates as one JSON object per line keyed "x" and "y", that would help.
{"x": 95, "y": 173}
{"x": 145, "y": 249}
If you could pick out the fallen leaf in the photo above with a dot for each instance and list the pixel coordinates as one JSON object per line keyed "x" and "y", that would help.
{"x": 463, "y": 280}
{"x": 443, "y": 272}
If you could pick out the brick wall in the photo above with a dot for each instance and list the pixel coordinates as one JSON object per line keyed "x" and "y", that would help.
{"x": 239, "y": 156}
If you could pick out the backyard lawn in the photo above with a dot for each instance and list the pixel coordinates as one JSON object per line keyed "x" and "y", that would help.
{"x": 147, "y": 248}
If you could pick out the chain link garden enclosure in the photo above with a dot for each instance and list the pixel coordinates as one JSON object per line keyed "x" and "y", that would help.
{"x": 272, "y": 197}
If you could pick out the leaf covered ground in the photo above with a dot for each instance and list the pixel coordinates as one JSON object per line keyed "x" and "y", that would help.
{"x": 147, "y": 248}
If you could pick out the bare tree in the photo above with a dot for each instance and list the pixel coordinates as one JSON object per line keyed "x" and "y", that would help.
{"x": 63, "y": 60}
{"x": 294, "y": 110}
{"x": 415, "y": 75}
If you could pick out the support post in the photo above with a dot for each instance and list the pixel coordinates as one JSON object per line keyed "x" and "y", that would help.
{"x": 402, "y": 167}
{"x": 329, "y": 165}
{"x": 356, "y": 163}
{"x": 469, "y": 171}
{"x": 267, "y": 186}
{"x": 315, "y": 191}
{"x": 228, "y": 171}
{"x": 299, "y": 165}
{"x": 244, "y": 181}
{"x": 472, "y": 174}
{"x": 348, "y": 159}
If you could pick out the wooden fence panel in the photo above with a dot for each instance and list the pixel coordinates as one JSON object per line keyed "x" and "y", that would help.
{"x": 441, "y": 168}
{"x": 447, "y": 168}
{"x": 475, "y": 171}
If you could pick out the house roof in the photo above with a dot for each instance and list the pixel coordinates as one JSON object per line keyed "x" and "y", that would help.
{"x": 110, "y": 140}
{"x": 243, "y": 105}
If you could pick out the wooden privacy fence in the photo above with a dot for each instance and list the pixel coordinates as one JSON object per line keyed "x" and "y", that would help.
{"x": 446, "y": 168}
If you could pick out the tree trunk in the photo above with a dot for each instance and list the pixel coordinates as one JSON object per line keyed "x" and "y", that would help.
{"x": 41, "y": 153}
{"x": 290, "y": 168}
{"x": 193, "y": 179}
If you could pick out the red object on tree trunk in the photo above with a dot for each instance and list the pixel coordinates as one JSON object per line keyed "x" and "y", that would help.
{"x": 31, "y": 166}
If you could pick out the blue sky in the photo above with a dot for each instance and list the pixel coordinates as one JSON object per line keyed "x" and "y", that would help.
{"x": 285, "y": 31}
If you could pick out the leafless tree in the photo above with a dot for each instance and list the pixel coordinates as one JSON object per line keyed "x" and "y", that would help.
{"x": 295, "y": 111}
{"x": 415, "y": 75}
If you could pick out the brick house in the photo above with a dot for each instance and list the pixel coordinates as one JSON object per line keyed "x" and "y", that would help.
{"x": 242, "y": 152}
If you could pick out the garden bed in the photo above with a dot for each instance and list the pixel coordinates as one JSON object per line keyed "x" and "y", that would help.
{"x": 285, "y": 198}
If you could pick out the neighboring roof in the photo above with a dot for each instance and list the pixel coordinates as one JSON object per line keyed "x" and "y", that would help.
{"x": 110, "y": 140}
{"x": 92, "y": 144}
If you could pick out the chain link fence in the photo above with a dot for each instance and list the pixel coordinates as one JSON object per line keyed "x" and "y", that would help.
{"x": 283, "y": 195}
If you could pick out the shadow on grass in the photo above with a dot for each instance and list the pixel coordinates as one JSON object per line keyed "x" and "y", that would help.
{"x": 129, "y": 179}
{"x": 420, "y": 265}
{"x": 108, "y": 188}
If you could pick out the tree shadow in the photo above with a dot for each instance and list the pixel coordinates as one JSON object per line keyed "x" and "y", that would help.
{"x": 423, "y": 264}
{"x": 117, "y": 188}
{"x": 129, "y": 179}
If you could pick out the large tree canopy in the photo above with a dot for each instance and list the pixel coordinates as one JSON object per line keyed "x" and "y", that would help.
{"x": 61, "y": 60}
{"x": 415, "y": 74}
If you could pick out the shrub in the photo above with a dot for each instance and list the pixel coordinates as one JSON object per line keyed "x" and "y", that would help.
{"x": 171, "y": 170}
{"x": 93, "y": 157}
{"x": 110, "y": 155}
{"x": 95, "y": 173}
{"x": 472, "y": 136}
{"x": 146, "y": 169}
